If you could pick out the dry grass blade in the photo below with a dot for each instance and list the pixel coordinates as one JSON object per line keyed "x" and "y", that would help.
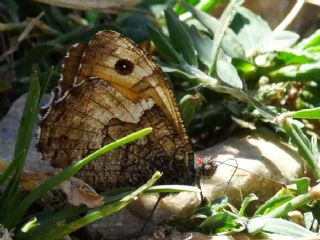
{"x": 102, "y": 6}
{"x": 14, "y": 44}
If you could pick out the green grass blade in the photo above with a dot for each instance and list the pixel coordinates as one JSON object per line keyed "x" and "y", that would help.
{"x": 26, "y": 126}
{"x": 303, "y": 144}
{"x": 225, "y": 21}
{"x": 172, "y": 189}
{"x": 288, "y": 230}
{"x": 46, "y": 224}
{"x": 207, "y": 5}
{"x": 21, "y": 148}
{"x": 230, "y": 43}
{"x": 101, "y": 212}
{"x": 70, "y": 171}
{"x": 313, "y": 113}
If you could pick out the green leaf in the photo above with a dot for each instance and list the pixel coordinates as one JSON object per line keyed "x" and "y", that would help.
{"x": 276, "y": 41}
{"x": 31, "y": 224}
{"x": 203, "y": 45}
{"x": 302, "y": 184}
{"x": 310, "y": 43}
{"x": 292, "y": 56}
{"x": 180, "y": 38}
{"x": 221, "y": 222}
{"x": 251, "y": 197}
{"x": 313, "y": 113}
{"x": 230, "y": 43}
{"x": 251, "y": 29}
{"x": 190, "y": 105}
{"x": 224, "y": 21}
{"x": 272, "y": 204}
{"x": 187, "y": 71}
{"x": 207, "y": 5}
{"x": 304, "y": 72}
{"x": 227, "y": 72}
{"x": 244, "y": 67}
{"x": 277, "y": 226}
{"x": 93, "y": 17}
{"x": 12, "y": 8}
{"x": 134, "y": 25}
{"x": 165, "y": 49}
{"x": 300, "y": 140}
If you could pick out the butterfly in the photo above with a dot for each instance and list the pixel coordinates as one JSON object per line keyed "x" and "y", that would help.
{"x": 110, "y": 88}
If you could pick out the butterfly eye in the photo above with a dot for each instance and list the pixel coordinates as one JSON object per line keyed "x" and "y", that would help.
{"x": 124, "y": 66}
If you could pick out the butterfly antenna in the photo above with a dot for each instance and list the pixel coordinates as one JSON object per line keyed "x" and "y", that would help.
{"x": 198, "y": 182}
{"x": 233, "y": 173}
{"x": 257, "y": 175}
{"x": 151, "y": 214}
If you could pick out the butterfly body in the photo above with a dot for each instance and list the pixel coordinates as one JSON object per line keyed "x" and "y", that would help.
{"x": 109, "y": 89}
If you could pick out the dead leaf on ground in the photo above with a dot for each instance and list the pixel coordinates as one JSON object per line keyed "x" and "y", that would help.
{"x": 78, "y": 192}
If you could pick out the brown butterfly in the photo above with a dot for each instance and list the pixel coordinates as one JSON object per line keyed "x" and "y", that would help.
{"x": 109, "y": 89}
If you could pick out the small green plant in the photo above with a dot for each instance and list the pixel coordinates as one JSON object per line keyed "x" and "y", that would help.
{"x": 219, "y": 216}
{"x": 242, "y": 60}
{"x": 207, "y": 54}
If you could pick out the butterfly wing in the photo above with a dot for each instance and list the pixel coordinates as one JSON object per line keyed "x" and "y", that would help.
{"x": 117, "y": 91}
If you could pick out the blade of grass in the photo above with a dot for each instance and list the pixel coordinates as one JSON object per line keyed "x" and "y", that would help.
{"x": 303, "y": 144}
{"x": 26, "y": 125}
{"x": 68, "y": 172}
{"x": 172, "y": 189}
{"x": 46, "y": 225}
{"x": 295, "y": 203}
{"x": 101, "y": 212}
{"x": 313, "y": 113}
{"x": 21, "y": 148}
{"x": 225, "y": 21}
{"x": 230, "y": 43}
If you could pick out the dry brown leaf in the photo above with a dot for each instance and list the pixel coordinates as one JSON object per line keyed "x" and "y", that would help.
{"x": 88, "y": 5}
{"x": 4, "y": 233}
{"x": 78, "y": 192}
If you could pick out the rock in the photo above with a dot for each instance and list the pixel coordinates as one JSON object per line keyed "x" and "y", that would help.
{"x": 245, "y": 164}
{"x": 9, "y": 126}
{"x": 258, "y": 164}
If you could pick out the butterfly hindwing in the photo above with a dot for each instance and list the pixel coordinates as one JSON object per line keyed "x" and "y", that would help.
{"x": 117, "y": 90}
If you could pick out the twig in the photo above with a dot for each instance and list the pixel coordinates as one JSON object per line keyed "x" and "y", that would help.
{"x": 290, "y": 17}
{"x": 314, "y": 2}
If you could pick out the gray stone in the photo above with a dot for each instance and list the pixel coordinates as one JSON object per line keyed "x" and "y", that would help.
{"x": 9, "y": 126}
